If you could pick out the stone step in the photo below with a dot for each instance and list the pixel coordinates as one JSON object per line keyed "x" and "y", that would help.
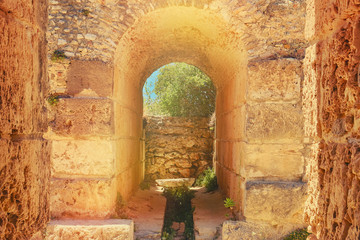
{"x": 209, "y": 214}
{"x": 109, "y": 229}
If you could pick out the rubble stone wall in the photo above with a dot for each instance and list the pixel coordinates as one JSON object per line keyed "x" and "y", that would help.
{"x": 177, "y": 147}
{"x": 24, "y": 154}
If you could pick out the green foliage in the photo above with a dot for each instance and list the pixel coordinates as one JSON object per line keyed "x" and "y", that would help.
{"x": 300, "y": 234}
{"x": 53, "y": 100}
{"x": 168, "y": 235}
{"x": 229, "y": 203}
{"x": 182, "y": 91}
{"x": 208, "y": 180}
{"x": 85, "y": 12}
{"x": 179, "y": 194}
{"x": 58, "y": 55}
{"x": 178, "y": 209}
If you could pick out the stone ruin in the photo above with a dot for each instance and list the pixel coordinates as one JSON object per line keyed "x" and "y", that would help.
{"x": 287, "y": 108}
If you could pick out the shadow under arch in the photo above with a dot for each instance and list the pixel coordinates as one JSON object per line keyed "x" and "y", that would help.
{"x": 194, "y": 36}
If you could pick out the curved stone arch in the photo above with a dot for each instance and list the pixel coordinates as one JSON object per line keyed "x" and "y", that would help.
{"x": 202, "y": 38}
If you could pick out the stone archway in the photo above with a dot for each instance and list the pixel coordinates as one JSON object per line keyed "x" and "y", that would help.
{"x": 259, "y": 145}
{"x": 199, "y": 39}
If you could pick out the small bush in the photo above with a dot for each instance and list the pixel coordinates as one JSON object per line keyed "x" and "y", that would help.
{"x": 58, "y": 55}
{"x": 208, "y": 180}
{"x": 53, "y": 100}
{"x": 300, "y": 234}
{"x": 85, "y": 12}
{"x": 229, "y": 203}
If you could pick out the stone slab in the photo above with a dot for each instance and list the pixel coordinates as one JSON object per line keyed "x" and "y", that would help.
{"x": 271, "y": 122}
{"x": 80, "y": 158}
{"x": 275, "y": 80}
{"x": 175, "y": 182}
{"x": 275, "y": 203}
{"x": 109, "y": 229}
{"x": 83, "y": 116}
{"x": 90, "y": 78}
{"x": 273, "y": 161}
{"x": 82, "y": 198}
{"x": 239, "y": 230}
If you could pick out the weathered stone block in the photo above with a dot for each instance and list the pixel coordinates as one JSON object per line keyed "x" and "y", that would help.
{"x": 231, "y": 184}
{"x": 231, "y": 155}
{"x": 276, "y": 203}
{"x": 231, "y": 96}
{"x": 275, "y": 80}
{"x": 24, "y": 187}
{"x": 129, "y": 179}
{"x": 33, "y": 12}
{"x": 274, "y": 161}
{"x": 270, "y": 122}
{"x": 90, "y": 78}
{"x": 81, "y": 158}
{"x": 83, "y": 116}
{"x": 127, "y": 122}
{"x": 22, "y": 66}
{"x": 239, "y": 230}
{"x": 82, "y": 198}
{"x": 127, "y": 151}
{"x": 117, "y": 229}
{"x": 231, "y": 125}
{"x": 310, "y": 94}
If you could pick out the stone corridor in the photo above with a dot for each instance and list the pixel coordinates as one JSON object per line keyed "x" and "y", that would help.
{"x": 286, "y": 141}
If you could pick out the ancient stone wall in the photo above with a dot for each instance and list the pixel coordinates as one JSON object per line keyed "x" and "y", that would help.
{"x": 332, "y": 125}
{"x": 177, "y": 147}
{"x": 24, "y": 154}
{"x": 252, "y": 50}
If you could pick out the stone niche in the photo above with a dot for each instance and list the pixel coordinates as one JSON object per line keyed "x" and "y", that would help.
{"x": 177, "y": 147}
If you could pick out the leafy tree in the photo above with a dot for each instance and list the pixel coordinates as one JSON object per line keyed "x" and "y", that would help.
{"x": 182, "y": 90}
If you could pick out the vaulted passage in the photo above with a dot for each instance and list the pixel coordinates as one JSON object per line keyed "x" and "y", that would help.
{"x": 286, "y": 102}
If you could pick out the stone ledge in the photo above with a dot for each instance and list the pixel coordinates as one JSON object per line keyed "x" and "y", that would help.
{"x": 110, "y": 229}
{"x": 275, "y": 203}
{"x": 83, "y": 116}
{"x": 82, "y": 198}
{"x": 81, "y": 158}
{"x": 240, "y": 230}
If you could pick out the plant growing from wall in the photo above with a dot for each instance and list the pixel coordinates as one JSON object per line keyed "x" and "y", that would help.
{"x": 53, "y": 100}
{"x": 299, "y": 234}
{"x": 229, "y": 203}
{"x": 85, "y": 12}
{"x": 58, "y": 55}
